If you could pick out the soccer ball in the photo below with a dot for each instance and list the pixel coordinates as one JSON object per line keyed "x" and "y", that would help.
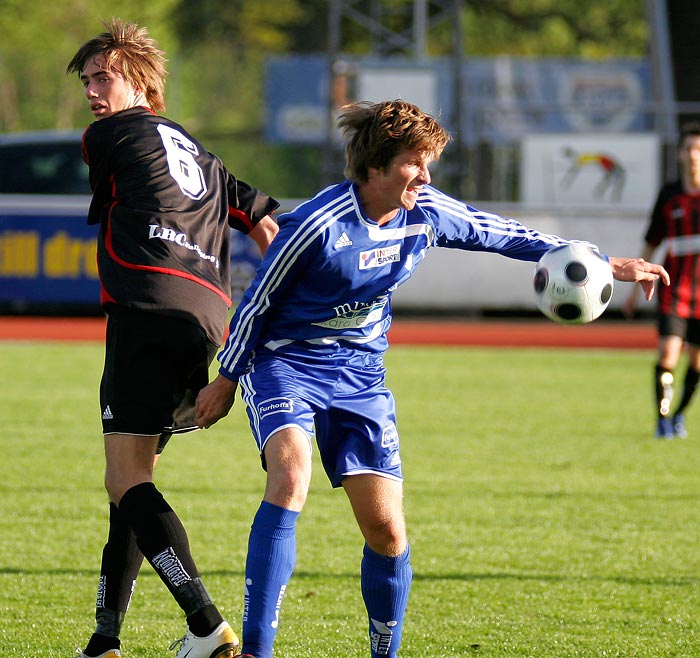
{"x": 573, "y": 284}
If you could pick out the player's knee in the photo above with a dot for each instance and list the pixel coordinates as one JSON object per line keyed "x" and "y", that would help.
{"x": 288, "y": 488}
{"x": 118, "y": 484}
{"x": 386, "y": 538}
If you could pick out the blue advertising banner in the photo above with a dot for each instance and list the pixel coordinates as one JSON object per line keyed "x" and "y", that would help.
{"x": 296, "y": 91}
{"x": 47, "y": 252}
{"x": 503, "y": 98}
{"x": 508, "y": 98}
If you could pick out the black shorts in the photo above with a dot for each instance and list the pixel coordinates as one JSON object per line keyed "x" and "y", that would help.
{"x": 686, "y": 328}
{"x": 154, "y": 368}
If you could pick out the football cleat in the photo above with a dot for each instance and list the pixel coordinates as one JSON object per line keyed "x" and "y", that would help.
{"x": 664, "y": 428}
{"x": 679, "y": 426}
{"x": 221, "y": 643}
{"x": 112, "y": 653}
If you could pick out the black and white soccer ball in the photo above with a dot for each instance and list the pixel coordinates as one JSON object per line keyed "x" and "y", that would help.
{"x": 573, "y": 284}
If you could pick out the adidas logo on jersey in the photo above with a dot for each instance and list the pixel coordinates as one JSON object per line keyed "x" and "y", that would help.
{"x": 343, "y": 241}
{"x": 107, "y": 414}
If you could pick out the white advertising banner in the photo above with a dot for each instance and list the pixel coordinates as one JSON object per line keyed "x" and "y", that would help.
{"x": 601, "y": 171}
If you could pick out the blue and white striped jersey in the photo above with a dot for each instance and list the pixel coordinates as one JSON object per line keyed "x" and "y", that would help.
{"x": 323, "y": 290}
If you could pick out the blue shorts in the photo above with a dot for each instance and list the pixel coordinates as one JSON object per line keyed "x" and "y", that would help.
{"x": 348, "y": 408}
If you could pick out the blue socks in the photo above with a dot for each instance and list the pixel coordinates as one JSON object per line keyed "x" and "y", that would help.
{"x": 269, "y": 566}
{"x": 386, "y": 582}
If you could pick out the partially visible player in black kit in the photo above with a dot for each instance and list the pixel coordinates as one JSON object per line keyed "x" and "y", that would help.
{"x": 675, "y": 221}
{"x": 164, "y": 206}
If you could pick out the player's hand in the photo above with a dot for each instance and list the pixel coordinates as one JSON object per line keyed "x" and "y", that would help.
{"x": 638, "y": 270}
{"x": 214, "y": 401}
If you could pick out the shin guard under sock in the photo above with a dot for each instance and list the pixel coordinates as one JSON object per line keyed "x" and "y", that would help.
{"x": 162, "y": 539}
{"x": 386, "y": 583}
{"x": 690, "y": 385}
{"x": 269, "y": 566}
{"x": 663, "y": 387}
{"x": 121, "y": 561}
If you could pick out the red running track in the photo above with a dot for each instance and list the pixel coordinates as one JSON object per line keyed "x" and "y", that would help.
{"x": 498, "y": 333}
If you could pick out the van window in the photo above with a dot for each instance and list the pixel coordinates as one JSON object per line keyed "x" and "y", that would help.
{"x": 55, "y": 168}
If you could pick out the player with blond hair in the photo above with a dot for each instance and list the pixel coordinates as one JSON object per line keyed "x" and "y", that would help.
{"x": 165, "y": 208}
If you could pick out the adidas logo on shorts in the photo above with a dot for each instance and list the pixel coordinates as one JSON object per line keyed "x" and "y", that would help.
{"x": 107, "y": 414}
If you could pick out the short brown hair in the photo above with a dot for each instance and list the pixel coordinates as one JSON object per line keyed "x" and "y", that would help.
{"x": 376, "y": 132}
{"x": 127, "y": 48}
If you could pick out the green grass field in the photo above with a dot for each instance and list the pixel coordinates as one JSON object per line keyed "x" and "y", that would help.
{"x": 545, "y": 521}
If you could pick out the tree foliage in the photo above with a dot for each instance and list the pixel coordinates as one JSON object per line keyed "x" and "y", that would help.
{"x": 596, "y": 28}
{"x": 217, "y": 48}
{"x": 537, "y": 28}
{"x": 37, "y": 42}
{"x": 245, "y": 27}
{"x": 217, "y": 51}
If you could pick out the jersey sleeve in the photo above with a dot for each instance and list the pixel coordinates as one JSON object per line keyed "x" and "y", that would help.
{"x": 278, "y": 271}
{"x": 460, "y": 226}
{"x": 97, "y": 150}
{"x": 247, "y": 205}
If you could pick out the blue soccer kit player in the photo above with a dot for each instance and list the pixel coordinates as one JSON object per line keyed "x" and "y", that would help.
{"x": 306, "y": 349}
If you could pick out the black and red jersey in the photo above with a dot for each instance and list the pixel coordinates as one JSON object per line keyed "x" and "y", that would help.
{"x": 164, "y": 205}
{"x": 675, "y": 220}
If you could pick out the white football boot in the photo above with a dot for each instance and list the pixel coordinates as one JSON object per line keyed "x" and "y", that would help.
{"x": 221, "y": 643}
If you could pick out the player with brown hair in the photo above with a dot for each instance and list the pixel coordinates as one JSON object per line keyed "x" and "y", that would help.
{"x": 307, "y": 342}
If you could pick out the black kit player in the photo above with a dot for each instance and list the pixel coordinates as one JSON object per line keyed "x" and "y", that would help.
{"x": 165, "y": 208}
{"x": 675, "y": 221}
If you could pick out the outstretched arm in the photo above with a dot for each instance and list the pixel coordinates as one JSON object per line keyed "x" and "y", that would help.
{"x": 638, "y": 270}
